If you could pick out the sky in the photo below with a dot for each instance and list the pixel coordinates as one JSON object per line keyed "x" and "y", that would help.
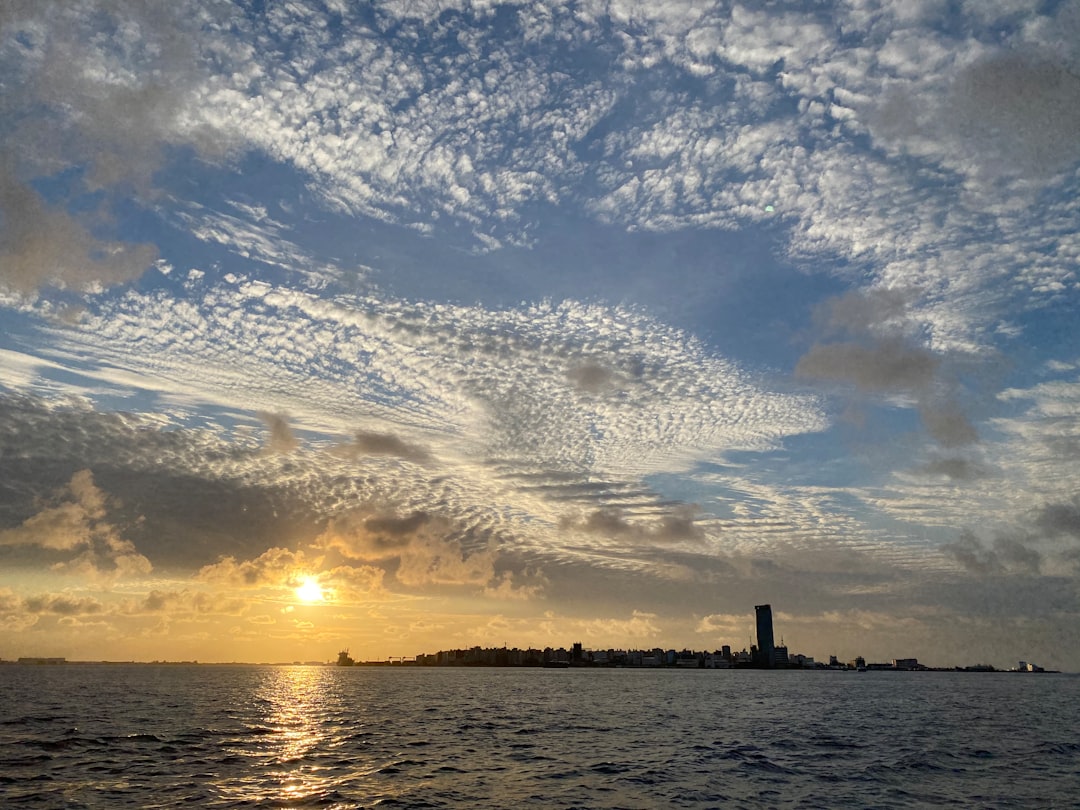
{"x": 416, "y": 325}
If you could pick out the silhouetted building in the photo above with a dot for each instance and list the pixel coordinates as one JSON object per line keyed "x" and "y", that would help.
{"x": 766, "y": 646}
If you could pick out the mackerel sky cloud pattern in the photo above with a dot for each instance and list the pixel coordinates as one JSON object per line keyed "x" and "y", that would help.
{"x": 538, "y": 318}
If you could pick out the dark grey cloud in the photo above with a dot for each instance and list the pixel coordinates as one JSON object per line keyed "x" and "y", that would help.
{"x": 371, "y": 443}
{"x": 281, "y": 438}
{"x": 591, "y": 377}
{"x": 865, "y": 312}
{"x": 1013, "y": 112}
{"x": 103, "y": 88}
{"x": 882, "y": 355}
{"x": 948, "y": 424}
{"x": 1057, "y": 519}
{"x": 185, "y": 602}
{"x": 970, "y": 552}
{"x": 1018, "y": 111}
{"x": 42, "y": 245}
{"x": 677, "y": 525}
{"x": 391, "y": 531}
{"x": 63, "y": 604}
{"x": 1066, "y": 447}
{"x": 892, "y": 365}
{"x": 1014, "y": 553}
{"x": 1004, "y": 554}
{"x": 958, "y": 469}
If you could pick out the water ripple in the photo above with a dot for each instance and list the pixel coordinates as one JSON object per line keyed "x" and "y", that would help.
{"x": 239, "y": 737}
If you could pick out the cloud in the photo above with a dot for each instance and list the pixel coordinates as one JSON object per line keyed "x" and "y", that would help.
{"x": 486, "y": 389}
{"x": 729, "y": 626}
{"x": 182, "y": 603}
{"x": 678, "y": 525}
{"x": 884, "y": 358}
{"x": 640, "y": 625}
{"x": 1001, "y": 102}
{"x": 105, "y": 84}
{"x": 506, "y": 589}
{"x": 880, "y": 311}
{"x": 77, "y": 529}
{"x": 1005, "y": 554}
{"x": 101, "y": 88}
{"x": 46, "y": 245}
{"x": 888, "y": 366}
{"x": 1017, "y": 112}
{"x": 948, "y": 424}
{"x": 276, "y": 567}
{"x": 281, "y": 438}
{"x": 371, "y": 443}
{"x": 1060, "y": 519}
{"x": 352, "y": 582}
{"x": 13, "y": 617}
{"x": 63, "y": 604}
{"x": 428, "y": 548}
{"x": 958, "y": 469}
{"x": 591, "y": 377}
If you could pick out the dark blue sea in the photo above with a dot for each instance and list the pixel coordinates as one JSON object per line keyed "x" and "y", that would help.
{"x": 108, "y": 736}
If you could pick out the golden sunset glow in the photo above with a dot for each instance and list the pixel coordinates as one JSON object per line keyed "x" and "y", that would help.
{"x": 310, "y": 591}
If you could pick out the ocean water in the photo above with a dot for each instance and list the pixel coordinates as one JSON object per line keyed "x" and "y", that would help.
{"x": 108, "y": 736}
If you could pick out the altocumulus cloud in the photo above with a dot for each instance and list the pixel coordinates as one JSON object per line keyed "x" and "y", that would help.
{"x": 300, "y": 387}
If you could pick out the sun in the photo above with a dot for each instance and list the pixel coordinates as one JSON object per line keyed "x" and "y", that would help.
{"x": 310, "y": 591}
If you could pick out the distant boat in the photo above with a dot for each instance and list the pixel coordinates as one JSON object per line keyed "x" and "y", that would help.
{"x": 344, "y": 660}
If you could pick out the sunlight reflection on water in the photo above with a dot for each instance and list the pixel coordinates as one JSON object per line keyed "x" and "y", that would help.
{"x": 294, "y": 722}
{"x": 325, "y": 737}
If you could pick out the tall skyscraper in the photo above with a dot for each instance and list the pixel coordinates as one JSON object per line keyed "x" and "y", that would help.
{"x": 766, "y": 646}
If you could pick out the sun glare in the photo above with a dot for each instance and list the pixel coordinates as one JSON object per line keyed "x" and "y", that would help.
{"x": 309, "y": 590}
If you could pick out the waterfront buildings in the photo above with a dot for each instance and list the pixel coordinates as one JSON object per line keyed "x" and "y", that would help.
{"x": 765, "y": 655}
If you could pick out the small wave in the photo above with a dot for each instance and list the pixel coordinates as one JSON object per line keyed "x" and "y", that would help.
{"x": 29, "y": 759}
{"x": 61, "y": 745}
{"x": 115, "y": 738}
{"x": 411, "y": 802}
{"x": 766, "y": 765}
{"x": 1059, "y": 748}
{"x": 397, "y": 766}
{"x": 832, "y": 743}
{"x": 608, "y": 767}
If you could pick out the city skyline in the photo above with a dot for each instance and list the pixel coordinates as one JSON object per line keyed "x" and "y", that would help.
{"x": 405, "y": 324}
